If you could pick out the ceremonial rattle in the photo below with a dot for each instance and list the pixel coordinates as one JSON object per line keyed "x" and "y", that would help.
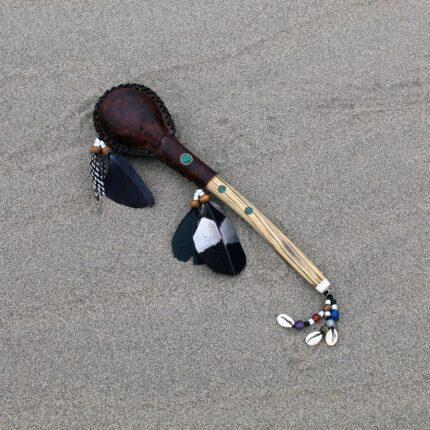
{"x": 132, "y": 119}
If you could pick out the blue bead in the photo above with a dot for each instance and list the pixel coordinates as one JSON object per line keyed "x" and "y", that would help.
{"x": 329, "y": 323}
{"x": 335, "y": 314}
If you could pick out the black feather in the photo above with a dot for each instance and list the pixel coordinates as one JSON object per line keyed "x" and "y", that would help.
{"x": 197, "y": 261}
{"x": 124, "y": 186}
{"x": 182, "y": 241}
{"x": 217, "y": 243}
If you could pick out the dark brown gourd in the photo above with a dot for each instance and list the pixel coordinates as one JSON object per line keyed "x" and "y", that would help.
{"x": 130, "y": 117}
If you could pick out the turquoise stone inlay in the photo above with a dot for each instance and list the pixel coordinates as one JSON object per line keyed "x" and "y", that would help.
{"x": 249, "y": 210}
{"x": 186, "y": 159}
{"x": 222, "y": 189}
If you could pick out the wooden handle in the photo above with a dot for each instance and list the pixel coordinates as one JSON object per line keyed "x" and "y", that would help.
{"x": 283, "y": 246}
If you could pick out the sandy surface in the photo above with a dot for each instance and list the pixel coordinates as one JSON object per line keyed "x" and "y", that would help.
{"x": 318, "y": 112}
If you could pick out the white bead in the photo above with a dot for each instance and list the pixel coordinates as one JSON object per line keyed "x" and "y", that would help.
{"x": 327, "y": 302}
{"x": 311, "y": 321}
{"x": 198, "y": 193}
{"x": 321, "y": 313}
{"x": 334, "y": 306}
{"x": 98, "y": 142}
{"x": 322, "y": 286}
{"x": 327, "y": 313}
{"x": 285, "y": 321}
{"x": 331, "y": 337}
{"x": 314, "y": 338}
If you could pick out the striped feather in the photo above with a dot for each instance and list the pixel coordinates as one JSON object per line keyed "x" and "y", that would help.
{"x": 98, "y": 168}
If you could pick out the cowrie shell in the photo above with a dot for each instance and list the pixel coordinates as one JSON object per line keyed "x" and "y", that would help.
{"x": 331, "y": 337}
{"x": 285, "y": 321}
{"x": 314, "y": 338}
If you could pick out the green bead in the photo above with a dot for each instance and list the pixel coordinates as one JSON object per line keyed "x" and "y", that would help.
{"x": 186, "y": 159}
{"x": 222, "y": 189}
{"x": 249, "y": 210}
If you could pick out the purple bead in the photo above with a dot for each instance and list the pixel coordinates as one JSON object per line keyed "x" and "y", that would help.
{"x": 299, "y": 325}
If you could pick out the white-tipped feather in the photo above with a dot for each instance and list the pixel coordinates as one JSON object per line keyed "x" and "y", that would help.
{"x": 206, "y": 235}
{"x": 216, "y": 242}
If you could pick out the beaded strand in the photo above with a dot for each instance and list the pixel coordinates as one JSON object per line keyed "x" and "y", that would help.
{"x": 328, "y": 313}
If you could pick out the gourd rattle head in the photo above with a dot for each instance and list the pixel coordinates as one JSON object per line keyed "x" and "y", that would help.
{"x": 133, "y": 116}
{"x": 132, "y": 119}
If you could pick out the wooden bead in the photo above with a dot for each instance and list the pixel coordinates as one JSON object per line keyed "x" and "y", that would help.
{"x": 194, "y": 204}
{"x": 204, "y": 198}
{"x": 106, "y": 150}
{"x": 95, "y": 150}
{"x": 326, "y": 308}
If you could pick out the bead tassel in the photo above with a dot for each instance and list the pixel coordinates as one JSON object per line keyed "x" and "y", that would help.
{"x": 329, "y": 312}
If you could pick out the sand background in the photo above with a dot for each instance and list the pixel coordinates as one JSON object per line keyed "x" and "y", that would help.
{"x": 318, "y": 112}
